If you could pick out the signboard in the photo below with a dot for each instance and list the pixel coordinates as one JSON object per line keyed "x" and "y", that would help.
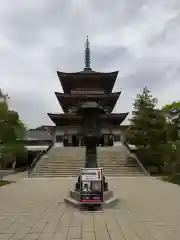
{"x": 91, "y": 185}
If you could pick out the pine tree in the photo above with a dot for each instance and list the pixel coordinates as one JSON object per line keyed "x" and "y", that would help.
{"x": 147, "y": 123}
{"x": 172, "y": 113}
{"x": 148, "y": 129}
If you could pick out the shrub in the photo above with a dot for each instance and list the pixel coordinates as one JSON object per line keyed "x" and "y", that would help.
{"x": 12, "y": 152}
{"x": 174, "y": 179}
{"x": 156, "y": 156}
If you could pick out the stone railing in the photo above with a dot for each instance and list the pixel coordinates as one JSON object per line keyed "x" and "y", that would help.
{"x": 39, "y": 156}
{"x": 134, "y": 157}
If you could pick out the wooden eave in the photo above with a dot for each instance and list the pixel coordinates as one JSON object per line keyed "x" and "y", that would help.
{"x": 62, "y": 119}
{"x": 86, "y": 80}
{"x": 113, "y": 118}
{"x": 68, "y": 100}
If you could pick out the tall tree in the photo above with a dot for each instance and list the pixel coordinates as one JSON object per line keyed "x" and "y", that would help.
{"x": 147, "y": 123}
{"x": 11, "y": 129}
{"x": 172, "y": 114}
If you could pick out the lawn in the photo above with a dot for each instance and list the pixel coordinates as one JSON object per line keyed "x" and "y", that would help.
{"x": 173, "y": 179}
{"x": 3, "y": 182}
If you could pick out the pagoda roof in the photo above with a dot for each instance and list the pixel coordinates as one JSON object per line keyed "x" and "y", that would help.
{"x": 69, "y": 100}
{"x": 114, "y": 118}
{"x": 62, "y": 119}
{"x": 87, "y": 79}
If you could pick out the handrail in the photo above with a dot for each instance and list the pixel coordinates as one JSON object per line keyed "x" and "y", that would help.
{"x": 38, "y": 157}
{"x": 127, "y": 146}
{"x": 135, "y": 157}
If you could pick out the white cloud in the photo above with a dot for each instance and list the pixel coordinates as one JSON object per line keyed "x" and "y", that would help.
{"x": 139, "y": 38}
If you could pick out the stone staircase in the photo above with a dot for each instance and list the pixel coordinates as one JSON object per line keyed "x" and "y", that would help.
{"x": 67, "y": 162}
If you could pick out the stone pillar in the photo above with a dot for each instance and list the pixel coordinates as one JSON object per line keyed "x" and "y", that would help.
{"x": 65, "y": 140}
{"x": 110, "y": 140}
{"x": 82, "y": 141}
{"x": 69, "y": 140}
{"x": 113, "y": 139}
{"x": 54, "y": 137}
{"x": 102, "y": 141}
{"x": 106, "y": 138}
{"x": 91, "y": 153}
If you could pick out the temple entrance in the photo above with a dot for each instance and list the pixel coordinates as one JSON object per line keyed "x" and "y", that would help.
{"x": 78, "y": 141}
{"x": 81, "y": 141}
{"x": 66, "y": 141}
{"x": 59, "y": 138}
{"x": 75, "y": 141}
{"x": 106, "y": 140}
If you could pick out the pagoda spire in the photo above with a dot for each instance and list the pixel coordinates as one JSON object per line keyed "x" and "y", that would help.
{"x": 87, "y": 55}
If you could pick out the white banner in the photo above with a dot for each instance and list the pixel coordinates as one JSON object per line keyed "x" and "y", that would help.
{"x": 91, "y": 174}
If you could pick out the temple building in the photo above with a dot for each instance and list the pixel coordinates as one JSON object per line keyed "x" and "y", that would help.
{"x": 81, "y": 87}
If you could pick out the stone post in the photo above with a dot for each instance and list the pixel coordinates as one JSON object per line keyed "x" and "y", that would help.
{"x": 91, "y": 152}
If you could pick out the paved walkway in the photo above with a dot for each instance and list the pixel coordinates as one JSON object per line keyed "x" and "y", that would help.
{"x": 34, "y": 209}
{"x": 17, "y": 176}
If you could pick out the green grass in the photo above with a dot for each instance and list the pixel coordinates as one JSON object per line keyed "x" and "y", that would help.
{"x": 3, "y": 182}
{"x": 173, "y": 179}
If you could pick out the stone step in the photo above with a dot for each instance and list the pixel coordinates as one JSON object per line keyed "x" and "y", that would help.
{"x": 111, "y": 172}
{"x": 67, "y": 162}
{"x": 78, "y": 168}
{"x": 78, "y": 172}
{"x": 76, "y": 175}
{"x": 78, "y": 151}
{"x": 83, "y": 158}
{"x": 109, "y": 164}
{"x": 82, "y": 166}
{"x": 75, "y": 157}
{"x": 105, "y": 161}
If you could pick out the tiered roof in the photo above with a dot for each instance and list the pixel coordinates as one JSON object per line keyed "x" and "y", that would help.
{"x": 87, "y": 80}
{"x": 83, "y": 86}
{"x": 68, "y": 101}
{"x": 62, "y": 119}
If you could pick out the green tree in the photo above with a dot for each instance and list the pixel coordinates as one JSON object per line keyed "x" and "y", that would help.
{"x": 147, "y": 123}
{"x": 11, "y": 129}
{"x": 172, "y": 113}
{"x": 14, "y": 154}
{"x": 148, "y": 129}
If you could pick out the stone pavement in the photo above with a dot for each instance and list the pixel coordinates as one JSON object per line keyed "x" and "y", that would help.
{"x": 34, "y": 209}
{"x": 16, "y": 176}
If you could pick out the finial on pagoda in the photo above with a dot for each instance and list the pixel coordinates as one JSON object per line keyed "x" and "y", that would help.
{"x": 87, "y": 55}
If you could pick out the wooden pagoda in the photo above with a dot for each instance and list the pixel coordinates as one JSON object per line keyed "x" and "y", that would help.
{"x": 86, "y": 86}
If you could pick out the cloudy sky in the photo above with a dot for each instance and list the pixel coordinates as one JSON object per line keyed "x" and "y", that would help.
{"x": 140, "y": 38}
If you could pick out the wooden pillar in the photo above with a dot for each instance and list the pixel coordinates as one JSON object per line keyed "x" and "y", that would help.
{"x": 112, "y": 140}
{"x": 106, "y": 138}
{"x": 70, "y": 142}
{"x": 91, "y": 153}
